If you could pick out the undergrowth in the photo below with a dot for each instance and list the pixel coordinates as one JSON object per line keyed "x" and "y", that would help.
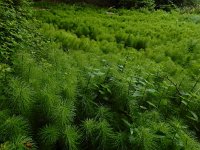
{"x": 82, "y": 78}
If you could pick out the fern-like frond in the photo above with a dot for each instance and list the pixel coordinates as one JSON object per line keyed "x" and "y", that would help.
{"x": 71, "y": 137}
{"x": 19, "y": 143}
{"x": 49, "y": 135}
{"x": 143, "y": 138}
{"x": 63, "y": 113}
{"x": 120, "y": 141}
{"x": 104, "y": 113}
{"x": 21, "y": 92}
{"x": 187, "y": 141}
{"x": 12, "y": 127}
{"x": 90, "y": 127}
{"x": 104, "y": 134}
{"x": 23, "y": 143}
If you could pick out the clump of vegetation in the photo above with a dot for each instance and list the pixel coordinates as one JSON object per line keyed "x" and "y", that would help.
{"x": 81, "y": 78}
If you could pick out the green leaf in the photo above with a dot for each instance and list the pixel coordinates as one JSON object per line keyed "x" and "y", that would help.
{"x": 126, "y": 122}
{"x": 108, "y": 90}
{"x": 151, "y": 90}
{"x": 137, "y": 94}
{"x": 102, "y": 92}
{"x": 184, "y": 102}
{"x": 151, "y": 104}
{"x": 194, "y": 116}
{"x": 143, "y": 107}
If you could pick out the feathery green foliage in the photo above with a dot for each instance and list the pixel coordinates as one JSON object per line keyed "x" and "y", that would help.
{"x": 87, "y": 78}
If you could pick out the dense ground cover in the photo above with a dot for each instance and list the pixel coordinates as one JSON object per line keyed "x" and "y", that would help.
{"x": 91, "y": 78}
